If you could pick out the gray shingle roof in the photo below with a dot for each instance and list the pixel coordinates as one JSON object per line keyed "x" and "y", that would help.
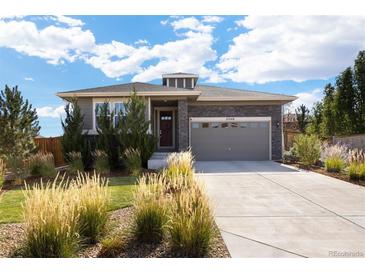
{"x": 208, "y": 93}
{"x": 224, "y": 93}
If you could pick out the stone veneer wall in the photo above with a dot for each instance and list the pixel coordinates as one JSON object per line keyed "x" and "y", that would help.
{"x": 182, "y": 124}
{"x": 231, "y": 111}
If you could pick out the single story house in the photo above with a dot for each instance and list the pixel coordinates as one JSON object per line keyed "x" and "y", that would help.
{"x": 218, "y": 123}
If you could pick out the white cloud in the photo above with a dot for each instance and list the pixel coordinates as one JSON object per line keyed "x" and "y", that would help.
{"x": 306, "y": 98}
{"x": 292, "y": 48}
{"x": 212, "y": 19}
{"x": 50, "y": 112}
{"x": 60, "y": 44}
{"x": 28, "y": 79}
{"x": 54, "y": 44}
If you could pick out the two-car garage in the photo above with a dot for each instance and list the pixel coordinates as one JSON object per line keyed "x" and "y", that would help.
{"x": 231, "y": 138}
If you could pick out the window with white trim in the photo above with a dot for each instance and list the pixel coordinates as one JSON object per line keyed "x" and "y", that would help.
{"x": 119, "y": 111}
{"x": 117, "y": 107}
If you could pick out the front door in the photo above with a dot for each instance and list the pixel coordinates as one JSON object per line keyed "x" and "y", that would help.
{"x": 166, "y": 129}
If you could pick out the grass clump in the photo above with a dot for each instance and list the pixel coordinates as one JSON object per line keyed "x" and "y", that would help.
{"x": 133, "y": 161}
{"x": 92, "y": 205}
{"x": 180, "y": 163}
{"x": 51, "y": 222}
{"x": 150, "y": 217}
{"x": 307, "y": 148}
{"x": 334, "y": 157}
{"x": 75, "y": 162}
{"x": 192, "y": 224}
{"x": 101, "y": 162}
{"x": 356, "y": 170}
{"x": 334, "y": 164}
{"x": 18, "y": 167}
{"x": 42, "y": 164}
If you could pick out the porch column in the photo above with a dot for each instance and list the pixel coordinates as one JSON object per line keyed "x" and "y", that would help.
{"x": 183, "y": 124}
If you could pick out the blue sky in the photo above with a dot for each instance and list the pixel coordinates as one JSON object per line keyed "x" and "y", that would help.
{"x": 281, "y": 54}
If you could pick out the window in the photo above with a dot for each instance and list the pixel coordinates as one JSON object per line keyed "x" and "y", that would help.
{"x": 214, "y": 125}
{"x": 194, "y": 125}
{"x": 243, "y": 125}
{"x": 119, "y": 110}
{"x": 253, "y": 125}
{"x": 224, "y": 125}
{"x": 205, "y": 125}
{"x": 263, "y": 124}
{"x": 234, "y": 125}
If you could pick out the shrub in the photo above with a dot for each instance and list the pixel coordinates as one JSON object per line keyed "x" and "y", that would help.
{"x": 92, "y": 203}
{"x": 51, "y": 227}
{"x": 290, "y": 156}
{"x": 2, "y": 172}
{"x": 180, "y": 163}
{"x": 150, "y": 217}
{"x": 42, "y": 164}
{"x": 133, "y": 161}
{"x": 192, "y": 224}
{"x": 75, "y": 162}
{"x": 354, "y": 172}
{"x": 307, "y": 148}
{"x": 101, "y": 162}
{"x": 18, "y": 168}
{"x": 334, "y": 164}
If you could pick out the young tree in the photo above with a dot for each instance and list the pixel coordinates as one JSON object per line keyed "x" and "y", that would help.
{"x": 72, "y": 138}
{"x": 135, "y": 128}
{"x": 328, "y": 125}
{"x": 359, "y": 76}
{"x": 108, "y": 134}
{"x": 302, "y": 113}
{"x": 346, "y": 103}
{"x": 316, "y": 119}
{"x": 18, "y": 124}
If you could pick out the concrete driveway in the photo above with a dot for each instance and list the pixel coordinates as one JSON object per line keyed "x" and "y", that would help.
{"x": 264, "y": 209}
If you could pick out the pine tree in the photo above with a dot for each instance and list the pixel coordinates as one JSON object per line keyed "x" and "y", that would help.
{"x": 346, "y": 103}
{"x": 328, "y": 124}
{"x": 18, "y": 124}
{"x": 135, "y": 128}
{"x": 108, "y": 134}
{"x": 316, "y": 119}
{"x": 302, "y": 113}
{"x": 359, "y": 76}
{"x": 72, "y": 138}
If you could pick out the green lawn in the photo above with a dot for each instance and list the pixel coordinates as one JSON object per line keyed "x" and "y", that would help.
{"x": 121, "y": 190}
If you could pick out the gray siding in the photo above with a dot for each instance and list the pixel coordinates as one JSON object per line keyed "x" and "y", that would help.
{"x": 86, "y": 106}
{"x": 273, "y": 111}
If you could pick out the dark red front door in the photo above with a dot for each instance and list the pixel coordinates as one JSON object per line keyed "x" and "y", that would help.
{"x": 166, "y": 127}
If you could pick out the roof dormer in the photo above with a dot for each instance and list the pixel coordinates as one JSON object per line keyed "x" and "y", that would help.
{"x": 180, "y": 80}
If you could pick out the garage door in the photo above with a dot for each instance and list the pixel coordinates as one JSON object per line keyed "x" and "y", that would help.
{"x": 243, "y": 139}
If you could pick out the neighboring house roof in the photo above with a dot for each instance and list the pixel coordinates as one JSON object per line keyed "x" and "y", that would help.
{"x": 202, "y": 92}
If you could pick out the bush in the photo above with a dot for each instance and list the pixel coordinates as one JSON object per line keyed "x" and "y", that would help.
{"x": 192, "y": 224}
{"x": 42, "y": 164}
{"x": 133, "y": 161}
{"x": 290, "y": 156}
{"x": 51, "y": 226}
{"x": 307, "y": 148}
{"x": 101, "y": 162}
{"x": 75, "y": 162}
{"x": 92, "y": 203}
{"x": 150, "y": 217}
{"x": 180, "y": 163}
{"x": 18, "y": 168}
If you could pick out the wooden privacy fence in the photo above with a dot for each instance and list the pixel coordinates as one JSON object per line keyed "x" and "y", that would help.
{"x": 289, "y": 135}
{"x": 51, "y": 145}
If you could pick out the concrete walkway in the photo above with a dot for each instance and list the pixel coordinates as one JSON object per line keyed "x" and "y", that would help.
{"x": 264, "y": 209}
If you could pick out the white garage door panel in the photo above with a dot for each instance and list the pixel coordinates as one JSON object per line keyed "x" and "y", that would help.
{"x": 230, "y": 141}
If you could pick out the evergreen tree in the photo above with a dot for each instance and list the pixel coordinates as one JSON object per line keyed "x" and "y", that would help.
{"x": 72, "y": 138}
{"x": 18, "y": 125}
{"x": 135, "y": 128}
{"x": 316, "y": 119}
{"x": 346, "y": 103}
{"x": 328, "y": 124}
{"x": 359, "y": 76}
{"x": 108, "y": 134}
{"x": 302, "y": 113}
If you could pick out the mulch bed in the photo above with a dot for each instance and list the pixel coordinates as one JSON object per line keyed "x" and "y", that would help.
{"x": 320, "y": 169}
{"x": 12, "y": 236}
